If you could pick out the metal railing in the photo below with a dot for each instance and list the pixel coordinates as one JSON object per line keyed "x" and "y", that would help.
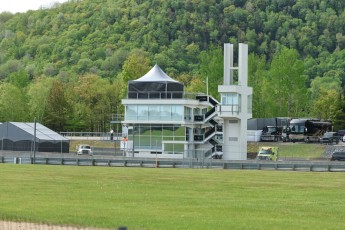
{"x": 93, "y": 135}
{"x": 324, "y": 166}
{"x": 162, "y": 95}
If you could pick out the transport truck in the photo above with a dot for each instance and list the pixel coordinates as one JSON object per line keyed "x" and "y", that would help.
{"x": 271, "y": 133}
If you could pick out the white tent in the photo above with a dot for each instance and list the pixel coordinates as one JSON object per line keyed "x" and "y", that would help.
{"x": 155, "y": 74}
{"x": 20, "y": 136}
{"x": 155, "y": 84}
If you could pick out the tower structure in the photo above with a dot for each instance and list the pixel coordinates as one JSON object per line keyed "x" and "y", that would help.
{"x": 236, "y": 103}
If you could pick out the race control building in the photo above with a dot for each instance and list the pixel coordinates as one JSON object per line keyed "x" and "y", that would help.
{"x": 165, "y": 121}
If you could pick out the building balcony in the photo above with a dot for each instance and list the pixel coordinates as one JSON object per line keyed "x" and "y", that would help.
{"x": 167, "y": 95}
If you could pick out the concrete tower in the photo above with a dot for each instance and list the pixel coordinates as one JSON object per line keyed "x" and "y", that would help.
{"x": 236, "y": 103}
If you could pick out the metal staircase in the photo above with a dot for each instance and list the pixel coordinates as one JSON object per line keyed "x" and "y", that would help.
{"x": 210, "y": 135}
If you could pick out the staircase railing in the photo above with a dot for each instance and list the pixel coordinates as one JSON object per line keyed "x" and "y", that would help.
{"x": 213, "y": 101}
{"x": 210, "y": 132}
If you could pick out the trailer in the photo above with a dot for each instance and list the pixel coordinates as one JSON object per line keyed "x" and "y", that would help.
{"x": 307, "y": 130}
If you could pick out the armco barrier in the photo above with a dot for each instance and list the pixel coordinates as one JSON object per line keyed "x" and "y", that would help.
{"x": 311, "y": 166}
{"x": 317, "y": 166}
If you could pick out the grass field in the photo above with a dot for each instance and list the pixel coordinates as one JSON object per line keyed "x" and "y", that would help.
{"x": 143, "y": 198}
{"x": 292, "y": 150}
{"x": 286, "y": 150}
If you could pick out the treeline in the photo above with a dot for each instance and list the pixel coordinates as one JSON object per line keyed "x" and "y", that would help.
{"x": 69, "y": 65}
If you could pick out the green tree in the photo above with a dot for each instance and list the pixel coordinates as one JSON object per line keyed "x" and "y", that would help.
{"x": 136, "y": 65}
{"x": 56, "y": 109}
{"x": 10, "y": 67}
{"x": 339, "y": 118}
{"x": 321, "y": 84}
{"x": 19, "y": 79}
{"x": 325, "y": 94}
{"x": 38, "y": 93}
{"x": 12, "y": 103}
{"x": 91, "y": 109}
{"x": 211, "y": 68}
{"x": 327, "y": 106}
{"x": 287, "y": 92}
{"x": 257, "y": 78}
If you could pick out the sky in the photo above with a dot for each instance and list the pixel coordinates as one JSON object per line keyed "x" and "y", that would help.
{"x": 15, "y": 6}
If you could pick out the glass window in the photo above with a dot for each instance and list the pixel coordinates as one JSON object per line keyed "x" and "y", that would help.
{"x": 173, "y": 148}
{"x": 131, "y": 113}
{"x": 156, "y": 136}
{"x": 177, "y": 113}
{"x": 231, "y": 99}
{"x": 156, "y": 142}
{"x": 169, "y": 148}
{"x": 168, "y": 132}
{"x": 180, "y": 133}
{"x": 150, "y": 137}
{"x": 135, "y": 135}
{"x": 296, "y": 128}
{"x": 143, "y": 112}
{"x": 154, "y": 112}
{"x": 144, "y": 130}
{"x": 166, "y": 112}
{"x": 178, "y": 148}
{"x": 187, "y": 113}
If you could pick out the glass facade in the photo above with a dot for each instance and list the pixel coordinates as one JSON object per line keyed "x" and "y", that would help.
{"x": 150, "y": 137}
{"x": 233, "y": 100}
{"x": 187, "y": 113}
{"x": 155, "y": 112}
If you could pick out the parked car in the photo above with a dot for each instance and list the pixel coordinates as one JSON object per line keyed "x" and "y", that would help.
{"x": 341, "y": 135}
{"x": 329, "y": 138}
{"x": 84, "y": 149}
{"x": 338, "y": 156}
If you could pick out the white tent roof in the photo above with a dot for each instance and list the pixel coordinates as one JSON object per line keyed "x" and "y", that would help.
{"x": 156, "y": 74}
{"x": 42, "y": 132}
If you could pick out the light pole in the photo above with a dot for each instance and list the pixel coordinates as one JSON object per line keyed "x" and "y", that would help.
{"x": 34, "y": 140}
{"x": 133, "y": 139}
{"x": 156, "y": 155}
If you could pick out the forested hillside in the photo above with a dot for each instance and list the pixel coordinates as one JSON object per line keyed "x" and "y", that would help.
{"x": 68, "y": 66}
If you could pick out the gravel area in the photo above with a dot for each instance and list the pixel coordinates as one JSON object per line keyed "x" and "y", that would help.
{"x": 333, "y": 148}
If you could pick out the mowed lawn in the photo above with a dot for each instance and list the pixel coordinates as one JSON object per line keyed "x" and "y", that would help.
{"x": 143, "y": 198}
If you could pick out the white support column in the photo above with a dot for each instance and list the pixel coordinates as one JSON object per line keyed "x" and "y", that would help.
{"x": 243, "y": 65}
{"x": 235, "y": 122}
{"x": 228, "y": 64}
